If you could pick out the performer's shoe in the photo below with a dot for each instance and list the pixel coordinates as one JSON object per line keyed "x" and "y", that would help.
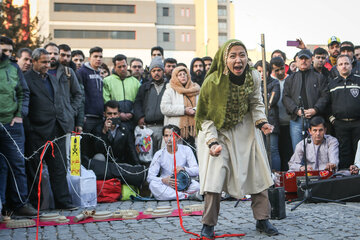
{"x": 207, "y": 232}
{"x": 266, "y": 227}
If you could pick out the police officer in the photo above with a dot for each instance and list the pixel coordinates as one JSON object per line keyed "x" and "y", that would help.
{"x": 345, "y": 110}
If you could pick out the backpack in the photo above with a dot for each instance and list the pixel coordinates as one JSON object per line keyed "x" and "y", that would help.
{"x": 110, "y": 190}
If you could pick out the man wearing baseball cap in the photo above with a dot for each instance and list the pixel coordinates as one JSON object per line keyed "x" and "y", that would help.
{"x": 334, "y": 51}
{"x": 305, "y": 89}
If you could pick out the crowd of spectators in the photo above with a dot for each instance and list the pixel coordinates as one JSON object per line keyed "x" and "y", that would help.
{"x": 48, "y": 92}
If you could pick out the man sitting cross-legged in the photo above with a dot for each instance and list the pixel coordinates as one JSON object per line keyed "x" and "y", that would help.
{"x": 163, "y": 187}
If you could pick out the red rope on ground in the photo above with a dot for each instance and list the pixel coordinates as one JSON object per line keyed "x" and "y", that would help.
{"x": 176, "y": 191}
{"x": 178, "y": 204}
{"x": 39, "y": 186}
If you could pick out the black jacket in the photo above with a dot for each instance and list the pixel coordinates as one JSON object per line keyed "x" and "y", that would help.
{"x": 325, "y": 72}
{"x": 44, "y": 111}
{"x": 69, "y": 87}
{"x": 316, "y": 92}
{"x": 273, "y": 110}
{"x": 123, "y": 145}
{"x": 141, "y": 103}
{"x": 345, "y": 97}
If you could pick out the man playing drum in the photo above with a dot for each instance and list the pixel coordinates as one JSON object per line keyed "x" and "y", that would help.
{"x": 163, "y": 187}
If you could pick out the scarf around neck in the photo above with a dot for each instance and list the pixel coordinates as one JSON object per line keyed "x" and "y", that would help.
{"x": 189, "y": 91}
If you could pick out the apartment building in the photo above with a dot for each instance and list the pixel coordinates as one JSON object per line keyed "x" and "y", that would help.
{"x": 215, "y": 24}
{"x": 120, "y": 26}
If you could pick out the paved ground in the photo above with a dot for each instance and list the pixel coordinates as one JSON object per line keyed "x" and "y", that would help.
{"x": 309, "y": 221}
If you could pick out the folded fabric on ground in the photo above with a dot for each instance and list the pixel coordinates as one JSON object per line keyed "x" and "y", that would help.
{"x": 141, "y": 216}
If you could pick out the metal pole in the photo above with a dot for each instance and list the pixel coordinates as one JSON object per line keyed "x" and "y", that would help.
{"x": 265, "y": 93}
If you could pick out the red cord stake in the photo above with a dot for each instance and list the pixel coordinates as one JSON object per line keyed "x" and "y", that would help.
{"x": 76, "y": 133}
{"x": 39, "y": 186}
{"x": 178, "y": 205}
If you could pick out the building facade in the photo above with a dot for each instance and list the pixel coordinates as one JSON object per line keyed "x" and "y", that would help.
{"x": 215, "y": 24}
{"x": 118, "y": 26}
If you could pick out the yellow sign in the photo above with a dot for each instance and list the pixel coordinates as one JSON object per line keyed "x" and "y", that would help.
{"x": 75, "y": 156}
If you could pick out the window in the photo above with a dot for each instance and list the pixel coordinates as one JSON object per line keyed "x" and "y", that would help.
{"x": 222, "y": 11}
{"x": 188, "y": 37}
{"x": 107, "y": 8}
{"x": 183, "y": 37}
{"x": 222, "y": 25}
{"x": 222, "y": 38}
{"x": 188, "y": 12}
{"x": 166, "y": 37}
{"x": 94, "y": 34}
{"x": 183, "y": 12}
{"x": 165, "y": 11}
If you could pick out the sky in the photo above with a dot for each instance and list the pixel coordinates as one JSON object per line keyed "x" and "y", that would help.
{"x": 314, "y": 21}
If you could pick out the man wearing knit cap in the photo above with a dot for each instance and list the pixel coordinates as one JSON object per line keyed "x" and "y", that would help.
{"x": 147, "y": 103}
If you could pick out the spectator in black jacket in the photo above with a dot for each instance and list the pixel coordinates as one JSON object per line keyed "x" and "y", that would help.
{"x": 273, "y": 96}
{"x": 65, "y": 60}
{"x": 147, "y": 103}
{"x": 116, "y": 135}
{"x": 305, "y": 88}
{"x": 69, "y": 85}
{"x": 345, "y": 110}
{"x": 278, "y": 72}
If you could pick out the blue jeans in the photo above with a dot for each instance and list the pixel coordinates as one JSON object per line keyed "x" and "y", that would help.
{"x": 17, "y": 164}
{"x": 274, "y": 150}
{"x": 295, "y": 131}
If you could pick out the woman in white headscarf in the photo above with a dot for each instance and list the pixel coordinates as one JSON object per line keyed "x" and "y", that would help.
{"x": 178, "y": 103}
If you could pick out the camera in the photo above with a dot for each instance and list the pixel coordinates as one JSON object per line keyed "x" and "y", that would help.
{"x": 115, "y": 121}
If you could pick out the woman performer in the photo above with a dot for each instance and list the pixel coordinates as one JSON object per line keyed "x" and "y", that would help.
{"x": 231, "y": 152}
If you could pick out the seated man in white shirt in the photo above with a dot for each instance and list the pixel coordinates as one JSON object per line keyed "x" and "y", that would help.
{"x": 322, "y": 151}
{"x": 163, "y": 186}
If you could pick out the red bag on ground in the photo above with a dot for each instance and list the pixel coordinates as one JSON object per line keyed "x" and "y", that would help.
{"x": 110, "y": 192}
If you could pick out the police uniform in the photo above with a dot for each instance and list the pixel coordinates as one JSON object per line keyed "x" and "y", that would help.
{"x": 345, "y": 115}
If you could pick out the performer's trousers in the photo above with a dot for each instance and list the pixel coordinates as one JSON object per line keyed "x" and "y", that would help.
{"x": 260, "y": 205}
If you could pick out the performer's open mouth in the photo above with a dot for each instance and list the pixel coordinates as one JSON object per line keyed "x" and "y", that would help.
{"x": 238, "y": 68}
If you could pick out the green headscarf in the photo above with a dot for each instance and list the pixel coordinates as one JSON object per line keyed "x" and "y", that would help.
{"x": 215, "y": 89}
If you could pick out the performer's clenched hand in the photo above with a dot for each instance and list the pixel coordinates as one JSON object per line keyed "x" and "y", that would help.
{"x": 267, "y": 128}
{"x": 215, "y": 150}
